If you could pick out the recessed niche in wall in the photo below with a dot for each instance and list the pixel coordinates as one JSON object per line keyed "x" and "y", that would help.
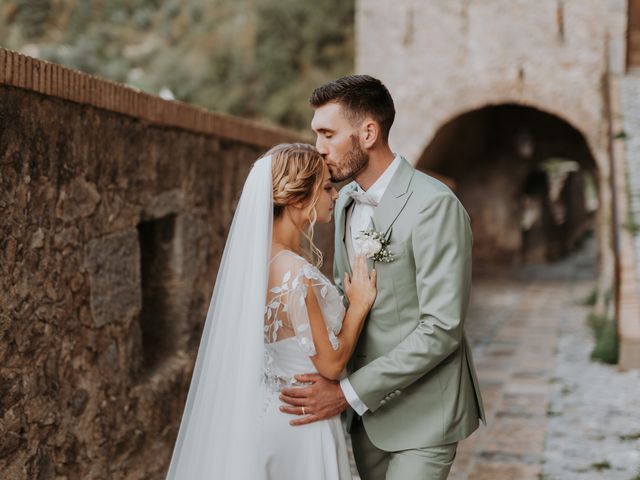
{"x": 160, "y": 288}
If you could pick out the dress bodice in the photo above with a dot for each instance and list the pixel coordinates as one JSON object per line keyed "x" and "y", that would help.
{"x": 287, "y": 333}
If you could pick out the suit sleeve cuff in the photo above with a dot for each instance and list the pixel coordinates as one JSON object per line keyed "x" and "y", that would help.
{"x": 352, "y": 397}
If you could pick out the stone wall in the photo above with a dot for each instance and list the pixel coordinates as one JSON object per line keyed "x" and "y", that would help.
{"x": 628, "y": 225}
{"x": 443, "y": 58}
{"x": 112, "y": 223}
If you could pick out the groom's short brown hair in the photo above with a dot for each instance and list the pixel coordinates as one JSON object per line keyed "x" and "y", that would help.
{"x": 359, "y": 95}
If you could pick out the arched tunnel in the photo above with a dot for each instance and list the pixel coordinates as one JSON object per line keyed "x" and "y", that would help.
{"x": 526, "y": 177}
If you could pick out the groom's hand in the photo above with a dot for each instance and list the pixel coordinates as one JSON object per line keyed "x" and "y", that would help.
{"x": 322, "y": 399}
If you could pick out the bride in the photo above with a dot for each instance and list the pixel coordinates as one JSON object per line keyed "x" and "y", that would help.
{"x": 272, "y": 315}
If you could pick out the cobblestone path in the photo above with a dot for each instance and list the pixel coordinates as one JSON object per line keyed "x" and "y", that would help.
{"x": 552, "y": 413}
{"x": 513, "y": 325}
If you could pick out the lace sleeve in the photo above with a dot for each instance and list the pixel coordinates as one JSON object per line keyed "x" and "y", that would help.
{"x": 287, "y": 315}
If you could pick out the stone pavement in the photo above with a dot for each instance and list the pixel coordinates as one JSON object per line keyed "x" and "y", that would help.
{"x": 513, "y": 325}
{"x": 552, "y": 413}
{"x": 593, "y": 425}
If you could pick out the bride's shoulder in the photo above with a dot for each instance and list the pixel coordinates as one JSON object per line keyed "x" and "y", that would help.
{"x": 286, "y": 262}
{"x": 286, "y": 257}
{"x": 290, "y": 264}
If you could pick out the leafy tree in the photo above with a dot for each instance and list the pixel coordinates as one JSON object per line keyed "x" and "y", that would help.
{"x": 253, "y": 58}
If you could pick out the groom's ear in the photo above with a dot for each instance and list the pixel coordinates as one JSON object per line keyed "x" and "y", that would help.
{"x": 369, "y": 132}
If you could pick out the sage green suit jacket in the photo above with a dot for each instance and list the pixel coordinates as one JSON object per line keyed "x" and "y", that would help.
{"x": 412, "y": 366}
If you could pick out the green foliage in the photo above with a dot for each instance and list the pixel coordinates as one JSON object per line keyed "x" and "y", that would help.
{"x": 606, "y": 336}
{"x": 254, "y": 58}
{"x": 621, "y": 134}
{"x": 632, "y": 227}
{"x": 33, "y": 15}
{"x": 601, "y": 465}
{"x": 591, "y": 298}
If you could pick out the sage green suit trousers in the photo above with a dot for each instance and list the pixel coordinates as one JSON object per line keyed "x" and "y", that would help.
{"x": 429, "y": 463}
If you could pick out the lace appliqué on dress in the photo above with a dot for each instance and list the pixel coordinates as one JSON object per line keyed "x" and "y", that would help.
{"x": 286, "y": 312}
{"x": 286, "y": 316}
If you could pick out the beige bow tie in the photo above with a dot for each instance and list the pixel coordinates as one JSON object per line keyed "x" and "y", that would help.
{"x": 363, "y": 197}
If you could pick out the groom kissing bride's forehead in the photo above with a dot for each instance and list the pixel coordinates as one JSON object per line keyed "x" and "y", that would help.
{"x": 285, "y": 350}
{"x": 411, "y": 391}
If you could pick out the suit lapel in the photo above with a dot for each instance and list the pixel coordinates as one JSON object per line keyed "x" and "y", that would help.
{"x": 395, "y": 198}
{"x": 341, "y": 257}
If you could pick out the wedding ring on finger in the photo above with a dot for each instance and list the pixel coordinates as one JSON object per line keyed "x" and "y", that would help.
{"x": 303, "y": 411}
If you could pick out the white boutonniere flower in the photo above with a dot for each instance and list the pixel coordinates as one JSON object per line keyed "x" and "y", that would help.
{"x": 374, "y": 245}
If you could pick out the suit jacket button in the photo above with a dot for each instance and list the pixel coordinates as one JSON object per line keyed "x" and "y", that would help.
{"x": 397, "y": 392}
{"x": 382, "y": 402}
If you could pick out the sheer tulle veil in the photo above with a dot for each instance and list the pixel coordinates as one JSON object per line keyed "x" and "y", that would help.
{"x": 219, "y": 431}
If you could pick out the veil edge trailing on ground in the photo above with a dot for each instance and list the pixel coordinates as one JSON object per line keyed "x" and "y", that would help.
{"x": 219, "y": 431}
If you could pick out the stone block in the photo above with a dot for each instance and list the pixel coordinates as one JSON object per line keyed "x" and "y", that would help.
{"x": 113, "y": 264}
{"x": 167, "y": 203}
{"x": 77, "y": 199}
{"x": 499, "y": 471}
{"x": 515, "y": 436}
{"x": 629, "y": 353}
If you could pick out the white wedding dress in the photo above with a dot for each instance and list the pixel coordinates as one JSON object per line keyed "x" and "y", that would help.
{"x": 316, "y": 451}
{"x": 231, "y": 426}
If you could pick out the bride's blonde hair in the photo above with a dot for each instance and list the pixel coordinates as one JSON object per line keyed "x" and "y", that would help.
{"x": 297, "y": 172}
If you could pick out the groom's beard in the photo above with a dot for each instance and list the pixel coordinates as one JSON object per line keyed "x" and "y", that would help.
{"x": 353, "y": 162}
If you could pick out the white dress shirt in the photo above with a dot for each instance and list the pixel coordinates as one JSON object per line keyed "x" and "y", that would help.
{"x": 359, "y": 218}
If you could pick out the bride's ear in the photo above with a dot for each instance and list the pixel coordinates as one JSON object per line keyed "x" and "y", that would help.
{"x": 301, "y": 204}
{"x": 294, "y": 211}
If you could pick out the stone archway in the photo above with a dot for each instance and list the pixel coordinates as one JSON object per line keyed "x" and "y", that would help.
{"x": 527, "y": 178}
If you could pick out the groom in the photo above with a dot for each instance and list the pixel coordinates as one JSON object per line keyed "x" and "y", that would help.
{"x": 412, "y": 384}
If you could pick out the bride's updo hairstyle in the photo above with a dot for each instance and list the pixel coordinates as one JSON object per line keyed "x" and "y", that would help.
{"x": 297, "y": 173}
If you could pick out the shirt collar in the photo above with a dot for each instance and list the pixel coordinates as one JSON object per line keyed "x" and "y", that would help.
{"x": 376, "y": 191}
